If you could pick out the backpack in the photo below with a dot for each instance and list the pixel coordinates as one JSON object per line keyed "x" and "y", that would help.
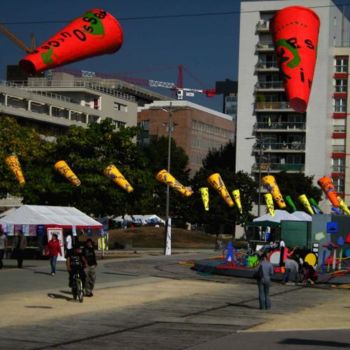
{"x": 259, "y": 274}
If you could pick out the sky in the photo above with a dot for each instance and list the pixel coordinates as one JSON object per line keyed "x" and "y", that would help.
{"x": 207, "y": 45}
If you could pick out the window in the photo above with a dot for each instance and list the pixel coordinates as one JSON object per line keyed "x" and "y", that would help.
{"x": 341, "y": 64}
{"x": 339, "y": 184}
{"x": 340, "y": 105}
{"x": 338, "y": 165}
{"x": 341, "y": 85}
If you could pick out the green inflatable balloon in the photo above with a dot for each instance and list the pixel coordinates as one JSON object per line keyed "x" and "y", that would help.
{"x": 290, "y": 202}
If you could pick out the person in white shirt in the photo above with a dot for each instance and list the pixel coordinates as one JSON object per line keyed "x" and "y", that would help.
{"x": 69, "y": 244}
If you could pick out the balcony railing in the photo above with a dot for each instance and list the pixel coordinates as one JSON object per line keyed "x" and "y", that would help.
{"x": 283, "y": 105}
{"x": 274, "y": 167}
{"x": 338, "y": 149}
{"x": 280, "y": 125}
{"x": 263, "y": 26}
{"x": 263, "y": 46}
{"x": 338, "y": 168}
{"x": 281, "y": 146}
{"x": 269, "y": 85}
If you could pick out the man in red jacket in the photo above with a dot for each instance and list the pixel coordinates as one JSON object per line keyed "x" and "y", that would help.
{"x": 54, "y": 250}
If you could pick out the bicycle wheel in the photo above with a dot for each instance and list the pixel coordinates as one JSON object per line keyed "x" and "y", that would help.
{"x": 80, "y": 291}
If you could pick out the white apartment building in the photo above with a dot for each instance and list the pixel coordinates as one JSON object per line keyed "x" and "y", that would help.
{"x": 272, "y": 137}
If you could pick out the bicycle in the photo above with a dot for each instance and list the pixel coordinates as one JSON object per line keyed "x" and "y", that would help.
{"x": 77, "y": 287}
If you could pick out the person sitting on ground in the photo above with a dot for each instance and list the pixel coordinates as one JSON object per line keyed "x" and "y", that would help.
{"x": 310, "y": 274}
{"x": 76, "y": 262}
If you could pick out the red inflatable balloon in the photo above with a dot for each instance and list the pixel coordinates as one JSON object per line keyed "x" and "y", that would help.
{"x": 295, "y": 35}
{"x": 96, "y": 32}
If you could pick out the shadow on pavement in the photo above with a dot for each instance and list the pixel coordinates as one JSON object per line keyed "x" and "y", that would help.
{"x": 59, "y": 296}
{"x": 314, "y": 342}
{"x": 38, "y": 307}
{"x": 43, "y": 273}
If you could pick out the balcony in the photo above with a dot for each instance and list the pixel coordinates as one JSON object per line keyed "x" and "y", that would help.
{"x": 338, "y": 169}
{"x": 262, "y": 27}
{"x": 282, "y": 147}
{"x": 267, "y": 67}
{"x": 280, "y": 126}
{"x": 265, "y": 47}
{"x": 273, "y": 106}
{"x": 269, "y": 86}
{"x": 277, "y": 167}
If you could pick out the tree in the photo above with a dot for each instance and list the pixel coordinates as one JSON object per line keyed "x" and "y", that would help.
{"x": 222, "y": 161}
{"x": 156, "y": 153}
{"x": 296, "y": 184}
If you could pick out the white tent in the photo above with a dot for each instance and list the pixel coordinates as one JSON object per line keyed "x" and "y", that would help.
{"x": 302, "y": 216}
{"x": 67, "y": 217}
{"x": 280, "y": 215}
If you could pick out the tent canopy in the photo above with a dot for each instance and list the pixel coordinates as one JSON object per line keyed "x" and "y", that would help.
{"x": 280, "y": 215}
{"x": 302, "y": 216}
{"x": 48, "y": 215}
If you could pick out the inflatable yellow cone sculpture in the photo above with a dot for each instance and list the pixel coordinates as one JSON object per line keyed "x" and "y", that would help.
{"x": 205, "y": 197}
{"x": 237, "y": 197}
{"x": 62, "y": 167}
{"x": 216, "y": 182}
{"x": 305, "y": 202}
{"x": 269, "y": 203}
{"x": 343, "y": 206}
{"x": 168, "y": 179}
{"x": 112, "y": 172}
{"x": 14, "y": 165}
{"x": 269, "y": 182}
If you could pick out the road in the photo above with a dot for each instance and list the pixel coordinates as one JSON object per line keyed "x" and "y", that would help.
{"x": 148, "y": 301}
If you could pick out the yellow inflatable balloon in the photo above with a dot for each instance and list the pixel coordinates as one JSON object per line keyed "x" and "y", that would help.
{"x": 343, "y": 206}
{"x": 305, "y": 202}
{"x": 269, "y": 204}
{"x": 269, "y": 182}
{"x": 216, "y": 182}
{"x": 62, "y": 167}
{"x": 168, "y": 179}
{"x": 205, "y": 197}
{"x": 112, "y": 172}
{"x": 237, "y": 197}
{"x": 14, "y": 165}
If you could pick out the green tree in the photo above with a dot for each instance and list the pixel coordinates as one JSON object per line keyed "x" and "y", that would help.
{"x": 222, "y": 161}
{"x": 156, "y": 153}
{"x": 296, "y": 184}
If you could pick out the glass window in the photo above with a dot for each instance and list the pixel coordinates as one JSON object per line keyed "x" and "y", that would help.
{"x": 340, "y": 105}
{"x": 341, "y": 64}
{"x": 341, "y": 85}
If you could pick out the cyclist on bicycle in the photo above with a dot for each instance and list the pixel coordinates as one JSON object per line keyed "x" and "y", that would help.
{"x": 76, "y": 263}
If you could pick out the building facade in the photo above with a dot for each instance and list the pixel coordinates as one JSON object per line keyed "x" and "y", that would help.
{"x": 271, "y": 136}
{"x": 197, "y": 129}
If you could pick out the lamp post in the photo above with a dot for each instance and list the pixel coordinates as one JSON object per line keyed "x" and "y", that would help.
{"x": 167, "y": 235}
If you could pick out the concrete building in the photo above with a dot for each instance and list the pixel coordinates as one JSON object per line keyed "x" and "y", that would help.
{"x": 271, "y": 137}
{"x": 198, "y": 129}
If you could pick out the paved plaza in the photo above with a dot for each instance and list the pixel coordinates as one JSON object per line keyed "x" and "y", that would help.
{"x": 154, "y": 302}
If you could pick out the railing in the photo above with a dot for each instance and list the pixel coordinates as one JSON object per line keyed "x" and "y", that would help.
{"x": 263, "y": 25}
{"x": 272, "y": 105}
{"x": 291, "y": 146}
{"x": 265, "y": 46}
{"x": 269, "y": 85}
{"x": 108, "y": 88}
{"x": 280, "y": 125}
{"x": 278, "y": 167}
{"x": 338, "y": 148}
{"x": 267, "y": 65}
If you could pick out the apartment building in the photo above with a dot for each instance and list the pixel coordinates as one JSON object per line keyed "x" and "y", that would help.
{"x": 271, "y": 136}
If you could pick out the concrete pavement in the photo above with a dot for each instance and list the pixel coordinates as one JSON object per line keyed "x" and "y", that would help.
{"x": 160, "y": 303}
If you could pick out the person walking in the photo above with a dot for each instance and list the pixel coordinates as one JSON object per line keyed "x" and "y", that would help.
{"x": 19, "y": 245}
{"x": 54, "y": 249}
{"x": 263, "y": 275}
{"x": 3, "y": 246}
{"x": 69, "y": 244}
{"x": 90, "y": 256}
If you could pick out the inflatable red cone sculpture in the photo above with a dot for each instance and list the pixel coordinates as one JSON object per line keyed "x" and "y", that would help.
{"x": 96, "y": 32}
{"x": 295, "y": 34}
